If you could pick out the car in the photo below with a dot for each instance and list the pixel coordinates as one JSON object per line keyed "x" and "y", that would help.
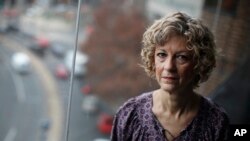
{"x": 105, "y": 122}
{"x": 39, "y": 45}
{"x": 58, "y": 49}
{"x": 42, "y": 42}
{"x": 21, "y": 62}
{"x": 61, "y": 71}
{"x": 86, "y": 89}
{"x": 90, "y": 104}
{"x": 101, "y": 139}
{"x": 10, "y": 18}
{"x": 80, "y": 62}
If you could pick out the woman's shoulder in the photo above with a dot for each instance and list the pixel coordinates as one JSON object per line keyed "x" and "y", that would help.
{"x": 214, "y": 119}
{"x": 214, "y": 110}
{"x": 135, "y": 103}
{"x": 212, "y": 106}
{"x": 127, "y": 121}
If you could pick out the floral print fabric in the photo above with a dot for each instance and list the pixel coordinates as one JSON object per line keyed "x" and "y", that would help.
{"x": 135, "y": 121}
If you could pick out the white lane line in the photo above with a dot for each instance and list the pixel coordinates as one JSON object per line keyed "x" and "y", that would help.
{"x": 11, "y": 135}
{"x": 20, "y": 91}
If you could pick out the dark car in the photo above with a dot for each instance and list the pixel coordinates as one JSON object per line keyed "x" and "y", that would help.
{"x": 58, "y": 49}
{"x": 39, "y": 45}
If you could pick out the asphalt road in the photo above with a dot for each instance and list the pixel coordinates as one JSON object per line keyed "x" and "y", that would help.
{"x": 83, "y": 127}
{"x": 7, "y": 94}
{"x": 22, "y": 103}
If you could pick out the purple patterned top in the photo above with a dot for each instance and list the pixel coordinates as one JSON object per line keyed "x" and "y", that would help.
{"x": 135, "y": 121}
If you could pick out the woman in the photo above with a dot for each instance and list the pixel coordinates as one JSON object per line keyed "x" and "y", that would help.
{"x": 179, "y": 52}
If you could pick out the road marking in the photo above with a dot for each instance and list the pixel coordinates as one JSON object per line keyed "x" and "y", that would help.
{"x": 21, "y": 96}
{"x": 55, "y": 110}
{"x": 11, "y": 134}
{"x": 17, "y": 82}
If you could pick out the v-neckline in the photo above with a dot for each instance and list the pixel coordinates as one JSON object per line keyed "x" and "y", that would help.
{"x": 196, "y": 117}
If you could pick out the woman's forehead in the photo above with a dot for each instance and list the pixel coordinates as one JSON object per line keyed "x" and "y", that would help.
{"x": 176, "y": 43}
{"x": 170, "y": 38}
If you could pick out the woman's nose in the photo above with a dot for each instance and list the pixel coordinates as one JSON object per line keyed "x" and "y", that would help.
{"x": 169, "y": 64}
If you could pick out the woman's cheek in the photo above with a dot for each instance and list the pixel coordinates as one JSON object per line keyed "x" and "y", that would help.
{"x": 158, "y": 71}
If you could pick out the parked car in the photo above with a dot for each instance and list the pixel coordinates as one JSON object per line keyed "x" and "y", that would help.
{"x": 61, "y": 71}
{"x": 21, "y": 62}
{"x": 9, "y": 20}
{"x": 105, "y": 123}
{"x": 90, "y": 104}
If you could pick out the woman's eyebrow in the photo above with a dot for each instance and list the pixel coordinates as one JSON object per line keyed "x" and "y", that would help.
{"x": 159, "y": 49}
{"x": 184, "y": 52}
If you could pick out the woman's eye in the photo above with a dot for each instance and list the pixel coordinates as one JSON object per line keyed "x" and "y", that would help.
{"x": 161, "y": 55}
{"x": 182, "y": 58}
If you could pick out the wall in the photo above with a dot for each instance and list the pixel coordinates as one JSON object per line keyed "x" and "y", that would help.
{"x": 232, "y": 39}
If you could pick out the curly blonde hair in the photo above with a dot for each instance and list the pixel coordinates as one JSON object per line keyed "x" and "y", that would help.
{"x": 198, "y": 37}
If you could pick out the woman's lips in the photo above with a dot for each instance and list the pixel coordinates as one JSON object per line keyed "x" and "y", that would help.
{"x": 170, "y": 79}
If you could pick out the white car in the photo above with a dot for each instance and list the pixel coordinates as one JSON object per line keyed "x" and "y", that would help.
{"x": 21, "y": 62}
{"x": 80, "y": 62}
{"x": 101, "y": 139}
{"x": 90, "y": 104}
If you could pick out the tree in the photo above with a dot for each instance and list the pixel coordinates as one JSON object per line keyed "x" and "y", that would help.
{"x": 114, "y": 51}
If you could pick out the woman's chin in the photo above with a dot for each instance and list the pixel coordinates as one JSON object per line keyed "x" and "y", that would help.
{"x": 169, "y": 87}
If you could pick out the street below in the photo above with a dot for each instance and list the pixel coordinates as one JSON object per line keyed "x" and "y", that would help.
{"x": 25, "y": 95}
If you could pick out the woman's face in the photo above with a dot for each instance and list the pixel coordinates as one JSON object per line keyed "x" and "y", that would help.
{"x": 174, "y": 65}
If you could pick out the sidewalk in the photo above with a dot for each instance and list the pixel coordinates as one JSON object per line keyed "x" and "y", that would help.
{"x": 53, "y": 27}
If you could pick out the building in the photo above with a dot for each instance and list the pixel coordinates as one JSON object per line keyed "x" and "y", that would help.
{"x": 229, "y": 84}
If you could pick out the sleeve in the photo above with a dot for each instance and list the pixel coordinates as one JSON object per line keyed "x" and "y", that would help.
{"x": 124, "y": 122}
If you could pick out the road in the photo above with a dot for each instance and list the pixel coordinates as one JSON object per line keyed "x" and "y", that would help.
{"x": 82, "y": 126}
{"x": 22, "y": 103}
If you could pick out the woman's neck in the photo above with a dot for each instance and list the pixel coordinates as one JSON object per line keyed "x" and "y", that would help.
{"x": 174, "y": 104}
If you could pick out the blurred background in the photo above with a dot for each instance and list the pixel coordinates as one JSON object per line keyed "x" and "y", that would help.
{"x": 36, "y": 51}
